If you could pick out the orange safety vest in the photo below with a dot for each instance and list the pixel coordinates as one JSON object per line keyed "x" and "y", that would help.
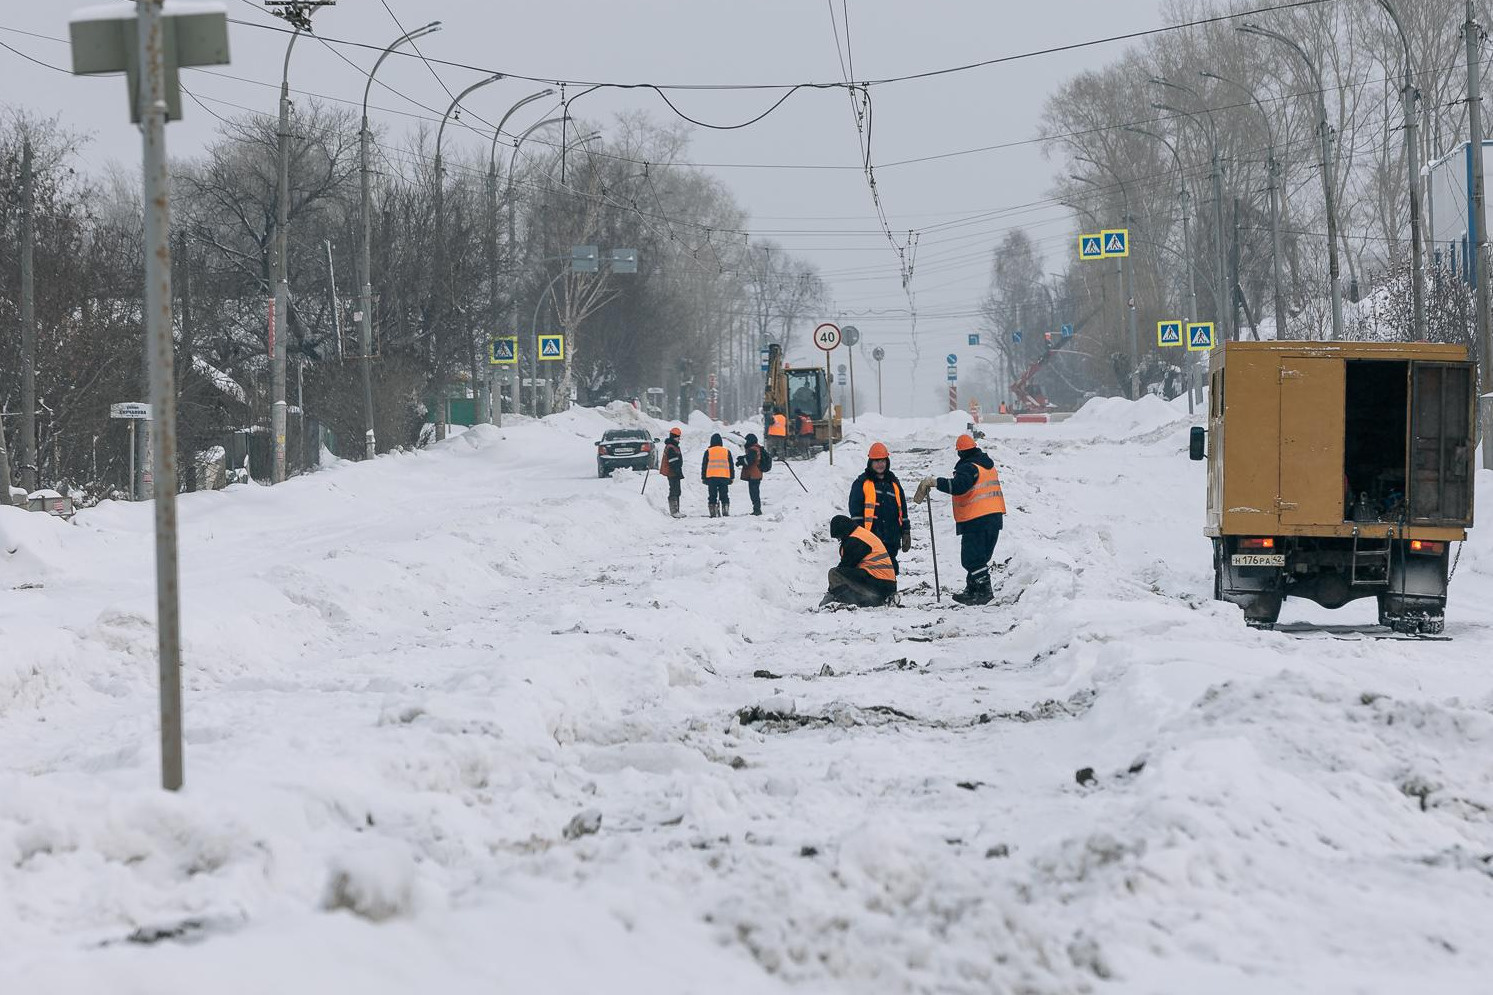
{"x": 869, "y": 489}
{"x": 805, "y": 425}
{"x": 717, "y": 463}
{"x": 779, "y": 425}
{"x": 878, "y": 563}
{"x": 985, "y": 498}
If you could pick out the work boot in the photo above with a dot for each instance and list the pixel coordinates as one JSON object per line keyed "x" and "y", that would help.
{"x": 725, "y": 509}
{"x": 756, "y": 511}
{"x": 976, "y": 590}
{"x": 715, "y": 510}
{"x": 674, "y": 507}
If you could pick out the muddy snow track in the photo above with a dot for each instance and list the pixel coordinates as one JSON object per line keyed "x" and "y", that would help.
{"x": 551, "y": 739}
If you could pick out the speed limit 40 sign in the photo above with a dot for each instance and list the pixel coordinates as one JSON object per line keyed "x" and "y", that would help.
{"x": 827, "y": 336}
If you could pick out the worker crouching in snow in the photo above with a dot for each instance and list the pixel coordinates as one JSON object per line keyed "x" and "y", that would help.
{"x": 979, "y": 513}
{"x": 864, "y": 575}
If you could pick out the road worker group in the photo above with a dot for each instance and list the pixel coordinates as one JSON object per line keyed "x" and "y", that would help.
{"x": 717, "y": 472}
{"x": 877, "y": 527}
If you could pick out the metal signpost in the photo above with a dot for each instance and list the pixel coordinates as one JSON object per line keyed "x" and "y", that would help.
{"x": 827, "y": 336}
{"x": 953, "y": 361}
{"x": 149, "y": 46}
{"x": 879, "y": 354}
{"x": 852, "y": 337}
{"x": 135, "y": 412}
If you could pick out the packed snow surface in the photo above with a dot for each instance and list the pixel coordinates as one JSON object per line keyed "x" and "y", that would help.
{"x": 474, "y": 720}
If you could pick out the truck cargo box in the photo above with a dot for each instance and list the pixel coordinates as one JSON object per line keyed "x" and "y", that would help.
{"x": 1341, "y": 439}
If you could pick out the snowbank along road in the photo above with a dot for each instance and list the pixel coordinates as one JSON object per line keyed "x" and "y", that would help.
{"x": 472, "y": 720}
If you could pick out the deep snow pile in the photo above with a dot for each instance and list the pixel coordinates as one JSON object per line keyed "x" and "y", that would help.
{"x": 472, "y": 719}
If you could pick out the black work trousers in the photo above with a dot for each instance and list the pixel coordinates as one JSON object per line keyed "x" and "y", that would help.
{"x": 754, "y": 489}
{"x": 675, "y": 487}
{"x": 720, "y": 492}
{"x": 856, "y": 587}
{"x": 977, "y": 541}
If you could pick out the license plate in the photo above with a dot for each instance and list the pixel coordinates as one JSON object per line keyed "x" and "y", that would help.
{"x": 623, "y": 452}
{"x": 1258, "y": 559}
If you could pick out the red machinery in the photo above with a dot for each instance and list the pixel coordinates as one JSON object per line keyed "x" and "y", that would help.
{"x": 1028, "y": 394}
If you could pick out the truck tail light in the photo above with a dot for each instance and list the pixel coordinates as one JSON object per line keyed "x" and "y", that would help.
{"x": 647, "y": 447}
{"x": 1265, "y": 543}
{"x": 1427, "y": 547}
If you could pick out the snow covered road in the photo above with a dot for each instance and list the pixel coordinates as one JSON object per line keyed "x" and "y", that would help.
{"x": 415, "y": 686}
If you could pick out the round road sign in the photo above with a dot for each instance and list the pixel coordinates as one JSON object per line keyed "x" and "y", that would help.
{"x": 841, "y": 367}
{"x": 850, "y": 334}
{"x": 827, "y": 336}
{"x": 878, "y": 354}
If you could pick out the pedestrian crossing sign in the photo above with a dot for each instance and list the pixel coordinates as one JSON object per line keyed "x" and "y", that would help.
{"x": 1168, "y": 333}
{"x": 1116, "y": 242}
{"x": 503, "y": 351}
{"x": 1199, "y": 336}
{"x": 1090, "y": 247}
{"x": 551, "y": 347}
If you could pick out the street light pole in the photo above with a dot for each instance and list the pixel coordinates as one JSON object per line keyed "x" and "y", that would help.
{"x": 1478, "y": 236}
{"x": 513, "y": 264}
{"x": 279, "y": 319}
{"x": 1222, "y": 294}
{"x": 160, "y": 347}
{"x": 1187, "y": 262}
{"x": 1409, "y": 95}
{"x": 1272, "y": 171}
{"x": 1127, "y": 277}
{"x": 27, "y": 451}
{"x": 443, "y": 308}
{"x": 366, "y": 325}
{"x": 495, "y": 315}
{"x": 1329, "y": 181}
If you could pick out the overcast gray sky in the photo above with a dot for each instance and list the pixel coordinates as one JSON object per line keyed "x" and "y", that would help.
{"x": 823, "y": 214}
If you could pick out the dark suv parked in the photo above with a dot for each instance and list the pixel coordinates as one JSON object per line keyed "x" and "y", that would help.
{"x": 632, "y": 448}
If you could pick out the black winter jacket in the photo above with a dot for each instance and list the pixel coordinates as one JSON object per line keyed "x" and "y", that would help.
{"x": 966, "y": 472}
{"x": 891, "y": 506}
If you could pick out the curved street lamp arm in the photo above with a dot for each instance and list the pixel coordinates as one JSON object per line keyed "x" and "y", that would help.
{"x": 493, "y": 155}
{"x": 419, "y": 32}
{"x": 441, "y": 131}
{"x": 1250, "y": 28}
{"x": 513, "y": 156}
{"x": 1248, "y": 92}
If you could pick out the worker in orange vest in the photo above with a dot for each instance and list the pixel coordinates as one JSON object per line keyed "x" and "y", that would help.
{"x": 979, "y": 513}
{"x": 777, "y": 433}
{"x": 752, "y": 466}
{"x": 671, "y": 468}
{"x": 805, "y": 431}
{"x": 717, "y": 471}
{"x": 877, "y": 502}
{"x": 864, "y": 575}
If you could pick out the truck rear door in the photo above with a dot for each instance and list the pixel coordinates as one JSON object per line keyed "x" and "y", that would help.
{"x": 1312, "y": 398}
{"x": 1441, "y": 444}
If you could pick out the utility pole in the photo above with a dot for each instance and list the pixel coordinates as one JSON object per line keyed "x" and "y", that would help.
{"x": 279, "y": 325}
{"x": 1235, "y": 291}
{"x": 27, "y": 449}
{"x": 1478, "y": 236}
{"x": 1410, "y": 95}
{"x": 1329, "y": 178}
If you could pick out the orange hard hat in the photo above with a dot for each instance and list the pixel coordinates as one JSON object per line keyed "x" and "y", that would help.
{"x": 675, "y": 431}
{"x": 964, "y": 442}
{"x": 878, "y": 451}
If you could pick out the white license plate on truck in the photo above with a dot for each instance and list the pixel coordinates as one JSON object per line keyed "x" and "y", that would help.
{"x": 1258, "y": 559}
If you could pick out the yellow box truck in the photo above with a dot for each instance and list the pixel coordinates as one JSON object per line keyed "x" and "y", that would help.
{"x": 1338, "y": 471}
